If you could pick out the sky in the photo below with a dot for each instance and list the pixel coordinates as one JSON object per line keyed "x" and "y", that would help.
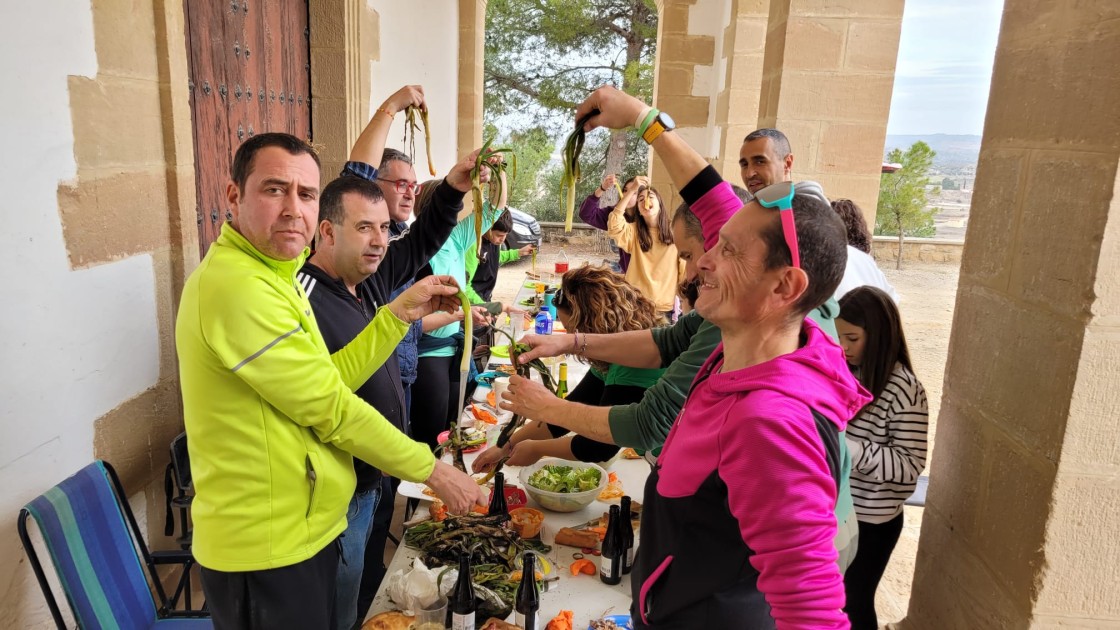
{"x": 944, "y": 66}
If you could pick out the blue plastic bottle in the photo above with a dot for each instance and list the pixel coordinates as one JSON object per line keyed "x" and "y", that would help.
{"x": 543, "y": 323}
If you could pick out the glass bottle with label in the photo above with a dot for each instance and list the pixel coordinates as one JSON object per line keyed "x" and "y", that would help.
{"x": 610, "y": 563}
{"x": 562, "y": 384}
{"x": 627, "y": 526}
{"x": 463, "y": 606}
{"x": 527, "y": 602}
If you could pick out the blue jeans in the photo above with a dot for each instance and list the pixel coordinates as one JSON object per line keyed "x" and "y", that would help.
{"x": 359, "y": 520}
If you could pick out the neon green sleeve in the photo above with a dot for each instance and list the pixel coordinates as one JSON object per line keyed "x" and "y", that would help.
{"x": 260, "y": 336}
{"x": 359, "y": 359}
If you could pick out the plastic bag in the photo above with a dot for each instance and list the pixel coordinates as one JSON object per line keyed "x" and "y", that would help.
{"x": 413, "y": 588}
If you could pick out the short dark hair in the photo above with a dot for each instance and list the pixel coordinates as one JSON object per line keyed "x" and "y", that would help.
{"x": 504, "y": 223}
{"x": 393, "y": 155}
{"x": 691, "y": 222}
{"x": 243, "y": 160}
{"x": 874, "y": 311}
{"x": 330, "y": 202}
{"x": 781, "y": 142}
{"x": 821, "y": 244}
{"x": 859, "y": 236}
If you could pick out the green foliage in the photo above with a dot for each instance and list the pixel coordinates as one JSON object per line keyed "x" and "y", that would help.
{"x": 902, "y": 195}
{"x": 543, "y": 57}
{"x": 949, "y": 184}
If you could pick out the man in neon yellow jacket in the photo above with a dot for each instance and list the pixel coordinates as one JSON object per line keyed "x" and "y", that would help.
{"x": 271, "y": 417}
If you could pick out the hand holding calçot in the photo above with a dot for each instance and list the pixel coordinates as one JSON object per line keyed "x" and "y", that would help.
{"x": 527, "y": 398}
{"x": 617, "y": 109}
{"x": 407, "y": 96}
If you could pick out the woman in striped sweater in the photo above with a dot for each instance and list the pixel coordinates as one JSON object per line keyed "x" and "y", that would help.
{"x": 887, "y": 439}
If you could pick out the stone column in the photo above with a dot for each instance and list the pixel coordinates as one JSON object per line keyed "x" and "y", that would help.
{"x": 683, "y": 82}
{"x": 827, "y": 83}
{"x": 744, "y": 45}
{"x": 344, "y": 39}
{"x": 472, "y": 40}
{"x": 1020, "y": 526}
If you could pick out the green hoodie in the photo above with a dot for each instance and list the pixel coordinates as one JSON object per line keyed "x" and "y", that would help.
{"x": 271, "y": 415}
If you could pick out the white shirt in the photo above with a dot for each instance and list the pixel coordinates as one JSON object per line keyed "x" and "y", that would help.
{"x": 861, "y": 270}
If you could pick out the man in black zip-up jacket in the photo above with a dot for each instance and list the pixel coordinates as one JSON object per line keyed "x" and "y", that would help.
{"x": 354, "y": 270}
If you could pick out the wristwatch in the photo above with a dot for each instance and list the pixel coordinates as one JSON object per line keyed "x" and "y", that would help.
{"x": 660, "y": 124}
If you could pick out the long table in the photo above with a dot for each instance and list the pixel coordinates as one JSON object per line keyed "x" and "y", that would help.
{"x": 585, "y": 595}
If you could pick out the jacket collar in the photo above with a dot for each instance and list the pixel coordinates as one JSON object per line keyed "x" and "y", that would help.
{"x": 230, "y": 237}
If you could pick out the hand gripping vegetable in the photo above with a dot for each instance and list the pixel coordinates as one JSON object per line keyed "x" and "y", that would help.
{"x": 573, "y": 146}
{"x": 497, "y": 168}
{"x": 411, "y": 127}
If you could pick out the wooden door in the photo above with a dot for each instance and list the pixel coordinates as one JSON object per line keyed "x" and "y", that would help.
{"x": 250, "y": 72}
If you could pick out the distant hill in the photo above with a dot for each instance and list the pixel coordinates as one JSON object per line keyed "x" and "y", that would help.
{"x": 952, "y": 151}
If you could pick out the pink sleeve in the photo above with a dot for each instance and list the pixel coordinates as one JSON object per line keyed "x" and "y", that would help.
{"x": 713, "y": 209}
{"x": 781, "y": 491}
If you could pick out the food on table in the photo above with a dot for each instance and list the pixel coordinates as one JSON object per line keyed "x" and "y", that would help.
{"x": 526, "y": 521}
{"x": 392, "y": 620}
{"x": 580, "y": 538}
{"x": 629, "y": 453}
{"x": 494, "y": 549}
{"x": 492, "y": 398}
{"x": 613, "y": 490}
{"x": 484, "y": 416}
{"x": 585, "y": 566}
{"x": 498, "y": 624}
{"x": 609, "y": 623}
{"x": 565, "y": 479}
{"x": 562, "y": 621}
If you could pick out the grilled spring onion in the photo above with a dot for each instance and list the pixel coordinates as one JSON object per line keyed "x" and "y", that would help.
{"x": 464, "y": 370}
{"x": 573, "y": 146}
{"x": 496, "y": 171}
{"x": 411, "y": 127}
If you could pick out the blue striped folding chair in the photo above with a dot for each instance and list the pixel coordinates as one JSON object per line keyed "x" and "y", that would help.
{"x": 97, "y": 550}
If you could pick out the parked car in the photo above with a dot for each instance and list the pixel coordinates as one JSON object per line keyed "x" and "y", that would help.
{"x": 526, "y": 231}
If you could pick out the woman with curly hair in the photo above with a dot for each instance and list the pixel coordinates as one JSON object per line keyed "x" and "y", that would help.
{"x": 644, "y": 232}
{"x": 592, "y": 300}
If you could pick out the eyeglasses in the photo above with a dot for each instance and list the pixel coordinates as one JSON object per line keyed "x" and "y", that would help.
{"x": 780, "y": 196}
{"x": 403, "y": 185}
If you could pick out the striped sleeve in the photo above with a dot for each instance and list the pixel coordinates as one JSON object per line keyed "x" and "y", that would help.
{"x": 889, "y": 438}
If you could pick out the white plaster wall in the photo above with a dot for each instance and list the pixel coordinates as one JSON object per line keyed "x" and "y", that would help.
{"x": 420, "y": 45}
{"x": 73, "y": 344}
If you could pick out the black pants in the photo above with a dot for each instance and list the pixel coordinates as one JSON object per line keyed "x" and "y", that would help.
{"x": 297, "y": 596}
{"x": 876, "y": 542}
{"x": 431, "y": 407}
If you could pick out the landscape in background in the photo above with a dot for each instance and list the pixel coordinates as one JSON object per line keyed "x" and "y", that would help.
{"x": 953, "y": 174}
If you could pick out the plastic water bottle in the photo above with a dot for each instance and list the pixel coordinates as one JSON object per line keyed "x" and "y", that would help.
{"x": 543, "y": 323}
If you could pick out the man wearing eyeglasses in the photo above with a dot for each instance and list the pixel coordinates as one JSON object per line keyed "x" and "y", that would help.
{"x": 356, "y": 268}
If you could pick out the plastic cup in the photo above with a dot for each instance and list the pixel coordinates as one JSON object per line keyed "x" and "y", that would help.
{"x": 501, "y": 384}
{"x": 433, "y": 616}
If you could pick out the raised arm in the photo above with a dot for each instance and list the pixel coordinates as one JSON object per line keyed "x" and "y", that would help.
{"x": 371, "y": 144}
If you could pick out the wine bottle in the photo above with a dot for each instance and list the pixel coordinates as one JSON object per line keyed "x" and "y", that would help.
{"x": 562, "y": 386}
{"x": 527, "y": 602}
{"x": 463, "y": 606}
{"x": 498, "y": 498}
{"x": 627, "y": 528}
{"x": 610, "y": 563}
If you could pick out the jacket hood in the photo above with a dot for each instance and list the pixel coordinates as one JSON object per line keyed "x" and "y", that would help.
{"x": 815, "y": 374}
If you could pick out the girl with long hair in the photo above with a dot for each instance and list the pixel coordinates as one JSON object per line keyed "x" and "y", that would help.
{"x": 644, "y": 232}
{"x": 887, "y": 439}
{"x": 591, "y": 300}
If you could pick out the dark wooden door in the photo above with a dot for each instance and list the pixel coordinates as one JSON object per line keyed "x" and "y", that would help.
{"x": 250, "y": 71}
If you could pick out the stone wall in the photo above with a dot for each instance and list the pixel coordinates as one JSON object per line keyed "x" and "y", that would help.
{"x": 933, "y": 250}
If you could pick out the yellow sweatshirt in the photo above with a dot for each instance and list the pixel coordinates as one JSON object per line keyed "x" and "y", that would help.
{"x": 655, "y": 273}
{"x": 271, "y": 416}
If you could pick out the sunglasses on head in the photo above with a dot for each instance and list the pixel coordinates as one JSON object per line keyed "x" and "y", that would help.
{"x": 560, "y": 300}
{"x": 780, "y": 196}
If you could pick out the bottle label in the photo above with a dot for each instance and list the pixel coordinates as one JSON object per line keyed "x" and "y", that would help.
{"x": 630, "y": 557}
{"x": 462, "y": 622}
{"x": 528, "y": 622}
{"x": 609, "y": 568}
